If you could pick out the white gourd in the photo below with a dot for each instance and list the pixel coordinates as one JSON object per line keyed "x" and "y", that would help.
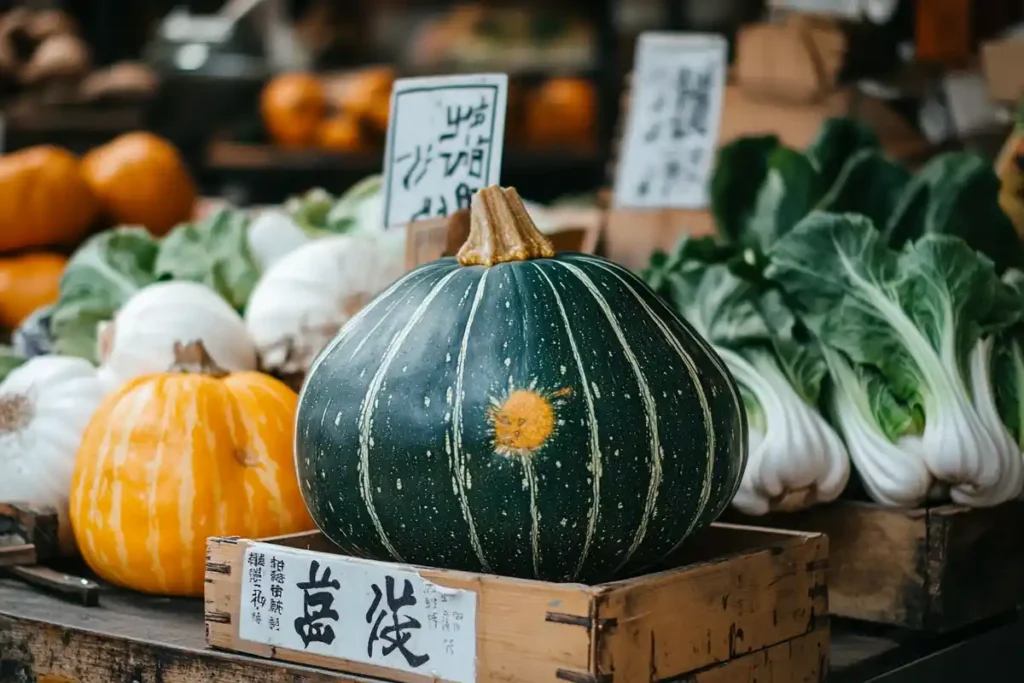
{"x": 304, "y": 299}
{"x": 45, "y": 406}
{"x": 272, "y": 235}
{"x": 140, "y": 340}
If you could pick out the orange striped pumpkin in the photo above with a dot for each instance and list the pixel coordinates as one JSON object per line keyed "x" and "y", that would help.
{"x": 173, "y": 458}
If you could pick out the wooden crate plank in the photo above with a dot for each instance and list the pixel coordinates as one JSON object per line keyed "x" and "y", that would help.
{"x": 744, "y": 604}
{"x": 936, "y": 568}
{"x": 526, "y": 630}
{"x": 733, "y": 591}
{"x": 804, "y": 659}
{"x": 975, "y": 564}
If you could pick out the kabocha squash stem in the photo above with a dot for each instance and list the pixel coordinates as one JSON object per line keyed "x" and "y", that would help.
{"x": 501, "y": 230}
{"x": 193, "y": 358}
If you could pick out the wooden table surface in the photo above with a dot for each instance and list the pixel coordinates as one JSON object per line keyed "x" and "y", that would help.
{"x": 132, "y": 638}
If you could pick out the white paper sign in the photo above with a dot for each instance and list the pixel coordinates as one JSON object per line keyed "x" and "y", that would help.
{"x": 445, "y": 141}
{"x": 359, "y": 610}
{"x": 671, "y": 134}
{"x": 848, "y": 9}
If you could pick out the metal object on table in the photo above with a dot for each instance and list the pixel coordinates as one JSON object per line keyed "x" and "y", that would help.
{"x": 29, "y": 534}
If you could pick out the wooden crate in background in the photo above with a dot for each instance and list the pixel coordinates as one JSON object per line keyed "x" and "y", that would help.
{"x": 739, "y": 604}
{"x": 936, "y": 569}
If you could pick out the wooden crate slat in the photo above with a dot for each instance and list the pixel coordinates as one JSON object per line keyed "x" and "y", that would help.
{"x": 747, "y": 602}
{"x": 937, "y": 568}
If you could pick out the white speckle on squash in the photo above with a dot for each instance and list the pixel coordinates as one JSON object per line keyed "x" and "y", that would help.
{"x": 448, "y": 396}
{"x": 620, "y": 505}
{"x": 447, "y": 417}
{"x": 429, "y": 454}
{"x": 564, "y": 521}
{"x": 597, "y": 390}
{"x": 337, "y": 419}
{"x": 508, "y": 362}
{"x": 526, "y": 483}
{"x": 426, "y": 401}
{"x": 508, "y": 304}
{"x": 561, "y": 423}
{"x": 558, "y": 464}
{"x": 378, "y": 489}
{"x": 616, "y": 451}
{"x": 371, "y": 442}
{"x": 405, "y": 368}
{"x": 562, "y": 369}
{"x": 398, "y": 484}
{"x": 448, "y": 358}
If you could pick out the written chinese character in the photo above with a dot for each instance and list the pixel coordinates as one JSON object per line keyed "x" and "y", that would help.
{"x": 275, "y": 623}
{"x": 317, "y": 607}
{"x": 257, "y": 560}
{"x": 396, "y": 632}
{"x": 276, "y": 591}
{"x": 420, "y": 164}
{"x": 475, "y": 115}
{"x": 258, "y": 599}
{"x": 276, "y": 564}
{"x": 256, "y": 574}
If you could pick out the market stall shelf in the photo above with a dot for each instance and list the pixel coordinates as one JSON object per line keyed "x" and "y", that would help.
{"x": 936, "y": 568}
{"x": 738, "y": 603}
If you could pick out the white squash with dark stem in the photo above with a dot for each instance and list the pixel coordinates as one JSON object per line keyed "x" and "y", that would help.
{"x": 45, "y": 406}
{"x": 141, "y": 338}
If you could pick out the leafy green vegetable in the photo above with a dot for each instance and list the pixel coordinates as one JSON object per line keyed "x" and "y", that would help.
{"x": 790, "y": 191}
{"x": 869, "y": 184}
{"x": 361, "y": 208}
{"x": 1008, "y": 367}
{"x": 837, "y": 142}
{"x": 310, "y": 211}
{"x": 793, "y": 451}
{"x": 917, "y": 316}
{"x": 957, "y": 193}
{"x": 103, "y": 274}
{"x": 214, "y": 252}
{"x": 740, "y": 171}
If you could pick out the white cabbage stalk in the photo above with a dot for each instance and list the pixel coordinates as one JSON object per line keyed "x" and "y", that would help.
{"x": 799, "y": 460}
{"x": 1005, "y": 457}
{"x": 273, "y": 235}
{"x": 894, "y": 474}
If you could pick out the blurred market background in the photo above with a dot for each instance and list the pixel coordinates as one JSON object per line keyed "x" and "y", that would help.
{"x": 266, "y": 99}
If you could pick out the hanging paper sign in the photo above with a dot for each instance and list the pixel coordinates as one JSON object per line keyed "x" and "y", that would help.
{"x": 359, "y": 610}
{"x": 671, "y": 134}
{"x": 445, "y": 142}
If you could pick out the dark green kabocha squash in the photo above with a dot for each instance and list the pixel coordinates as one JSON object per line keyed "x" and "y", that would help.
{"x": 515, "y": 412}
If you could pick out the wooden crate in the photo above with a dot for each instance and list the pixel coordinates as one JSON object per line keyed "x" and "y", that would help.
{"x": 630, "y": 236}
{"x": 936, "y": 568}
{"x": 741, "y": 604}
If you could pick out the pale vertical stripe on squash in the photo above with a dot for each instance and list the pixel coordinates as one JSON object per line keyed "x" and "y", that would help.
{"x": 366, "y": 410}
{"x": 596, "y": 462}
{"x": 709, "y": 426}
{"x": 458, "y": 463}
{"x": 650, "y": 409}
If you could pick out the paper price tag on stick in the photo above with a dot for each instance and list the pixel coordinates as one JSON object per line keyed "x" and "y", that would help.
{"x": 445, "y": 142}
{"x": 671, "y": 133}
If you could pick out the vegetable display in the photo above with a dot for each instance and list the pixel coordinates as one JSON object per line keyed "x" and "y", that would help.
{"x": 44, "y": 200}
{"x": 862, "y": 312}
{"x": 141, "y": 338}
{"x": 516, "y": 412}
{"x": 173, "y": 458}
{"x": 45, "y": 406}
{"x": 28, "y": 282}
{"x": 141, "y": 179}
{"x": 303, "y": 300}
